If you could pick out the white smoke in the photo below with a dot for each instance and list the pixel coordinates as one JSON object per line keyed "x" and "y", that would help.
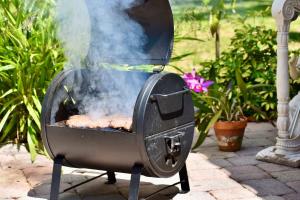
{"x": 97, "y": 32}
{"x": 74, "y": 30}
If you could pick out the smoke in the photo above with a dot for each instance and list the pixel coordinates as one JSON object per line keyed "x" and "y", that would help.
{"x": 96, "y": 34}
{"x": 106, "y": 97}
{"x": 74, "y": 30}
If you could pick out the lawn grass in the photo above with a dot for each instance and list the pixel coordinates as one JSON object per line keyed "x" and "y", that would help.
{"x": 191, "y": 20}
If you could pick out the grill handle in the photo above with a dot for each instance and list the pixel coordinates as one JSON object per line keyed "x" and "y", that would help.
{"x": 170, "y": 105}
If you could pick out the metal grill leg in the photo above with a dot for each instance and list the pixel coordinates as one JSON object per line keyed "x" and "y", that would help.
{"x": 135, "y": 182}
{"x": 56, "y": 175}
{"x": 111, "y": 177}
{"x": 184, "y": 179}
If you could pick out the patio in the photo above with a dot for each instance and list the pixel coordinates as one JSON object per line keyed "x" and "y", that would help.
{"x": 213, "y": 175}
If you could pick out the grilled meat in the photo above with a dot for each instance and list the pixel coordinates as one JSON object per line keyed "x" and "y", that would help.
{"x": 114, "y": 121}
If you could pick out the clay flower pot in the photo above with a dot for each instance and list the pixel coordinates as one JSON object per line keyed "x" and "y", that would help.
{"x": 230, "y": 134}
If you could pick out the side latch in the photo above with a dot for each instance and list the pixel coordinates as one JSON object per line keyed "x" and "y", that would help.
{"x": 173, "y": 145}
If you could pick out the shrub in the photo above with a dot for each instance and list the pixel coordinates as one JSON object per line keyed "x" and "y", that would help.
{"x": 30, "y": 55}
{"x": 253, "y": 52}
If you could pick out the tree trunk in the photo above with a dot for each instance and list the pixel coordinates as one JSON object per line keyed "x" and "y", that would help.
{"x": 217, "y": 43}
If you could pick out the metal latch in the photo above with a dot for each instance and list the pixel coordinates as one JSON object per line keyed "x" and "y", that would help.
{"x": 173, "y": 145}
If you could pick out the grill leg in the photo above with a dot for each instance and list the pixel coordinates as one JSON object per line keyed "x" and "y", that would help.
{"x": 184, "y": 179}
{"x": 56, "y": 175}
{"x": 111, "y": 177}
{"x": 135, "y": 182}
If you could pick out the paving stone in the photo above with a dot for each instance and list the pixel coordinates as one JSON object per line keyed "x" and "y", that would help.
{"x": 23, "y": 160}
{"x": 42, "y": 161}
{"x": 249, "y": 151}
{"x": 295, "y": 185}
{"x": 42, "y": 190}
{"x": 211, "y": 133}
{"x": 161, "y": 197}
{"x": 202, "y": 164}
{"x": 13, "y": 184}
{"x": 245, "y": 160}
{"x": 104, "y": 197}
{"x": 74, "y": 179}
{"x": 221, "y": 162}
{"x": 69, "y": 196}
{"x": 242, "y": 173}
{"x": 257, "y": 142}
{"x": 31, "y": 198}
{"x": 218, "y": 184}
{"x": 148, "y": 189}
{"x": 7, "y": 161}
{"x": 97, "y": 187}
{"x": 293, "y": 196}
{"x": 194, "y": 156}
{"x": 287, "y": 176}
{"x": 67, "y": 170}
{"x": 272, "y": 198}
{"x": 194, "y": 195}
{"x": 10, "y": 149}
{"x": 233, "y": 193}
{"x": 265, "y": 187}
{"x": 250, "y": 198}
{"x": 38, "y": 175}
{"x": 164, "y": 181}
{"x": 270, "y": 167}
{"x": 215, "y": 153}
{"x": 208, "y": 174}
{"x": 260, "y": 134}
{"x": 253, "y": 126}
{"x": 209, "y": 142}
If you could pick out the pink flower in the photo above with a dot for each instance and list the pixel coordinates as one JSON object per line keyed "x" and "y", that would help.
{"x": 196, "y": 83}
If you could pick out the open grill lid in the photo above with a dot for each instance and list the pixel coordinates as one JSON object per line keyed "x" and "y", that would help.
{"x": 156, "y": 19}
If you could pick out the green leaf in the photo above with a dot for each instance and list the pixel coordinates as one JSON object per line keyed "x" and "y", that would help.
{"x": 180, "y": 57}
{"x": 33, "y": 113}
{"x": 202, "y": 136}
{"x": 6, "y": 68}
{"x": 240, "y": 81}
{"x": 4, "y": 119}
{"x": 177, "y": 68}
{"x": 37, "y": 103}
{"x": 8, "y": 128}
{"x": 213, "y": 120}
{"x": 31, "y": 144}
{"x": 10, "y": 91}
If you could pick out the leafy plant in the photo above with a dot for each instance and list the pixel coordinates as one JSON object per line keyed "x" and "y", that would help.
{"x": 225, "y": 104}
{"x": 252, "y": 53}
{"x": 29, "y": 58}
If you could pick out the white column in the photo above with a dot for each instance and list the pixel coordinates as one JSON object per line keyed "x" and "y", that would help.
{"x": 287, "y": 150}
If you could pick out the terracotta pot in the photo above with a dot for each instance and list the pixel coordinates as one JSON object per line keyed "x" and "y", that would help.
{"x": 230, "y": 134}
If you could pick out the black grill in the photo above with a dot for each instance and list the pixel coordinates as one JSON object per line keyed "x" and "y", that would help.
{"x": 163, "y": 115}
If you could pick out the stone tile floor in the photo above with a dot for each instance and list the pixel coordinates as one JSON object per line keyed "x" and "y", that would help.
{"x": 214, "y": 175}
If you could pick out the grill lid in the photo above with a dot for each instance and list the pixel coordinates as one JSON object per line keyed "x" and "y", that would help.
{"x": 156, "y": 19}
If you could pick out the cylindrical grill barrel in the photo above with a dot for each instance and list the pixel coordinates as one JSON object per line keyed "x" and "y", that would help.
{"x": 149, "y": 144}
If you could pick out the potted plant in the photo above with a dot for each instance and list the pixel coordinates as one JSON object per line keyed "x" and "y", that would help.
{"x": 222, "y": 108}
{"x": 229, "y": 120}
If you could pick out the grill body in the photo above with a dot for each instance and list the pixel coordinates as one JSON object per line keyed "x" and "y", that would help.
{"x": 162, "y": 118}
{"x": 162, "y": 107}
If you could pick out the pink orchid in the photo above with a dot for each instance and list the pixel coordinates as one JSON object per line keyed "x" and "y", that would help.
{"x": 196, "y": 83}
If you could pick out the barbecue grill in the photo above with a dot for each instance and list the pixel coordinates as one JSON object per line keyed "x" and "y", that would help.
{"x": 160, "y": 138}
